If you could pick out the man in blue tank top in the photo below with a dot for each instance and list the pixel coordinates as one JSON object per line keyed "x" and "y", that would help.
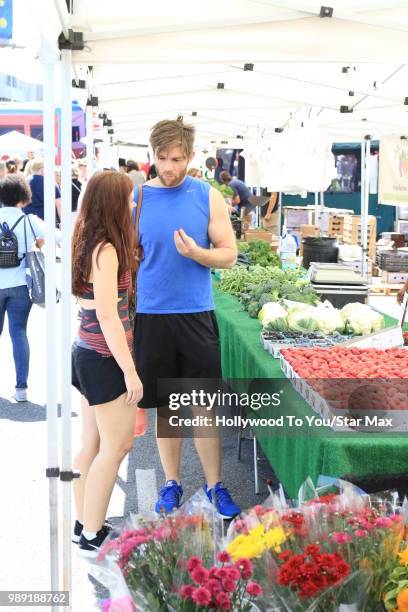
{"x": 184, "y": 231}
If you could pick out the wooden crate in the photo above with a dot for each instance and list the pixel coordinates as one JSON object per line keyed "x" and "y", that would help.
{"x": 307, "y": 231}
{"x": 254, "y": 234}
{"x": 394, "y": 278}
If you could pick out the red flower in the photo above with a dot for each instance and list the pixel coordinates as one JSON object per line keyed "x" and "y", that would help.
{"x": 312, "y": 549}
{"x": 254, "y": 589}
{"x": 229, "y": 585}
{"x": 223, "y": 557}
{"x": 193, "y": 562}
{"x": 245, "y": 568}
{"x": 186, "y": 591}
{"x": 222, "y": 573}
{"x": 201, "y": 596}
{"x": 200, "y": 575}
{"x": 213, "y": 573}
{"x": 233, "y": 573}
{"x": 223, "y": 601}
{"x": 285, "y": 555}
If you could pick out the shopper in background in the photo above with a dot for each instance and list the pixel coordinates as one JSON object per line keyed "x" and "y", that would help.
{"x": 36, "y": 182}
{"x": 195, "y": 173}
{"x": 14, "y": 298}
{"x": 82, "y": 171}
{"x": 102, "y": 364}
{"x": 176, "y": 333}
{"x": 122, "y": 165}
{"x": 76, "y": 187}
{"x": 270, "y": 214}
{"x": 11, "y": 166}
{"x": 136, "y": 175}
{"x": 152, "y": 172}
{"x": 3, "y": 169}
{"x": 242, "y": 193}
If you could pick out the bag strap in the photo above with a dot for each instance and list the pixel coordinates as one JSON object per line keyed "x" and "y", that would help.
{"x": 136, "y": 219}
{"x": 25, "y": 233}
{"x": 17, "y": 222}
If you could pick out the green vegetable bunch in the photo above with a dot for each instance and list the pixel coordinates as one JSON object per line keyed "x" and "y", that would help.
{"x": 260, "y": 253}
{"x": 257, "y": 286}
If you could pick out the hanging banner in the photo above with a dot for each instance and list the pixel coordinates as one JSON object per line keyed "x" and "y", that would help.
{"x": 6, "y": 19}
{"x": 393, "y": 171}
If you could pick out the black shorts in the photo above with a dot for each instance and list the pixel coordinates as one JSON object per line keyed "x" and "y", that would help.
{"x": 175, "y": 346}
{"x": 98, "y": 378}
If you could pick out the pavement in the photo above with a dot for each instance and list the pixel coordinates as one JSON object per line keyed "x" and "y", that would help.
{"x": 24, "y": 511}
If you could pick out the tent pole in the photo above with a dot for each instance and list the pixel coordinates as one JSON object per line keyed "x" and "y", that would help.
{"x": 280, "y": 213}
{"x": 362, "y": 204}
{"x": 66, "y": 222}
{"x": 48, "y": 60}
{"x": 89, "y": 141}
{"x": 316, "y": 208}
{"x": 364, "y": 212}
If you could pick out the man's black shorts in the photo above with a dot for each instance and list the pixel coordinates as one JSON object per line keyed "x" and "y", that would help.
{"x": 175, "y": 346}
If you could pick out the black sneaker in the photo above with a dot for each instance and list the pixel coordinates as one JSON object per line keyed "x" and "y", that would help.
{"x": 91, "y": 548}
{"x": 78, "y": 527}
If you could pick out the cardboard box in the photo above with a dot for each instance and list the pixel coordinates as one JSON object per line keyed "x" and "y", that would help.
{"x": 255, "y": 234}
{"x": 307, "y": 231}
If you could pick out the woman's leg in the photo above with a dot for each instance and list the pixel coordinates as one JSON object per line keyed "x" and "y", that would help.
{"x": 115, "y": 421}
{"x": 86, "y": 454}
{"x": 18, "y": 308}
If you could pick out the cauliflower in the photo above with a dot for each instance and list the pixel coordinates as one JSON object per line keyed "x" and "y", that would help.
{"x": 273, "y": 316}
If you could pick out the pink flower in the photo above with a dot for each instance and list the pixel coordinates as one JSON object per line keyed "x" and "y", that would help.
{"x": 200, "y": 575}
{"x": 123, "y": 604}
{"x": 361, "y": 533}
{"x": 229, "y": 585}
{"x": 341, "y": 537}
{"x": 193, "y": 562}
{"x": 223, "y": 601}
{"x": 201, "y": 596}
{"x": 223, "y": 557}
{"x": 245, "y": 568}
{"x": 222, "y": 573}
{"x": 254, "y": 589}
{"x": 259, "y": 510}
{"x": 106, "y": 603}
{"x": 186, "y": 591}
{"x": 396, "y": 518}
{"x": 233, "y": 573}
{"x": 213, "y": 573}
{"x": 213, "y": 585}
{"x": 383, "y": 522}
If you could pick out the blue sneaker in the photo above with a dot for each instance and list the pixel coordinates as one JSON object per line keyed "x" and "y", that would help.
{"x": 169, "y": 497}
{"x": 222, "y": 500}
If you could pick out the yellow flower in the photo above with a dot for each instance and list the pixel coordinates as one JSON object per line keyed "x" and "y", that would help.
{"x": 403, "y": 557}
{"x": 255, "y": 542}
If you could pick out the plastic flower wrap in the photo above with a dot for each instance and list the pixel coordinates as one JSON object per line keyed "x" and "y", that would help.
{"x": 151, "y": 556}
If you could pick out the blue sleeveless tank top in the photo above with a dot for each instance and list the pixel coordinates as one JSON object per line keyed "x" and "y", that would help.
{"x": 167, "y": 282}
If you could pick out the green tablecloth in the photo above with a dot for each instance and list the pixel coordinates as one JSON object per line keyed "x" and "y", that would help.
{"x": 292, "y": 457}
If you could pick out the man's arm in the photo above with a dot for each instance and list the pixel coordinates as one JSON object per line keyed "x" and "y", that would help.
{"x": 224, "y": 251}
{"x": 271, "y": 205}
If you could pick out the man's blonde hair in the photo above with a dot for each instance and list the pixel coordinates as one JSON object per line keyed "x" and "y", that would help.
{"x": 172, "y": 133}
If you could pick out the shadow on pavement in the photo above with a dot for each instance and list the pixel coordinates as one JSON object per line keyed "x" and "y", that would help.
{"x": 26, "y": 412}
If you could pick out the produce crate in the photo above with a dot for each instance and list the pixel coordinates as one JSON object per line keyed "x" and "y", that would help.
{"x": 336, "y": 225}
{"x": 396, "y": 238}
{"x": 305, "y": 232}
{"x": 392, "y": 278}
{"x": 254, "y": 234}
{"x": 392, "y": 261}
{"x": 336, "y": 411}
{"x": 274, "y": 342}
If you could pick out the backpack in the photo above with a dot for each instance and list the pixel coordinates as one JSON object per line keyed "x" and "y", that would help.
{"x": 9, "y": 245}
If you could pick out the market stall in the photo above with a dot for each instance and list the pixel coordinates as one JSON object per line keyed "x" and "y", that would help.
{"x": 294, "y": 458}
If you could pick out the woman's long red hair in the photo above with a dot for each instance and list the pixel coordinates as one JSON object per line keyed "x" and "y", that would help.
{"x": 104, "y": 217}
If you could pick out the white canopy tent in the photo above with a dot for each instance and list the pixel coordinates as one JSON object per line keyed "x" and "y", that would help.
{"x": 15, "y": 142}
{"x": 234, "y": 68}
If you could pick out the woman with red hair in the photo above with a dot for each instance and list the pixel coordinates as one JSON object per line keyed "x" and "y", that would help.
{"x": 103, "y": 369}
